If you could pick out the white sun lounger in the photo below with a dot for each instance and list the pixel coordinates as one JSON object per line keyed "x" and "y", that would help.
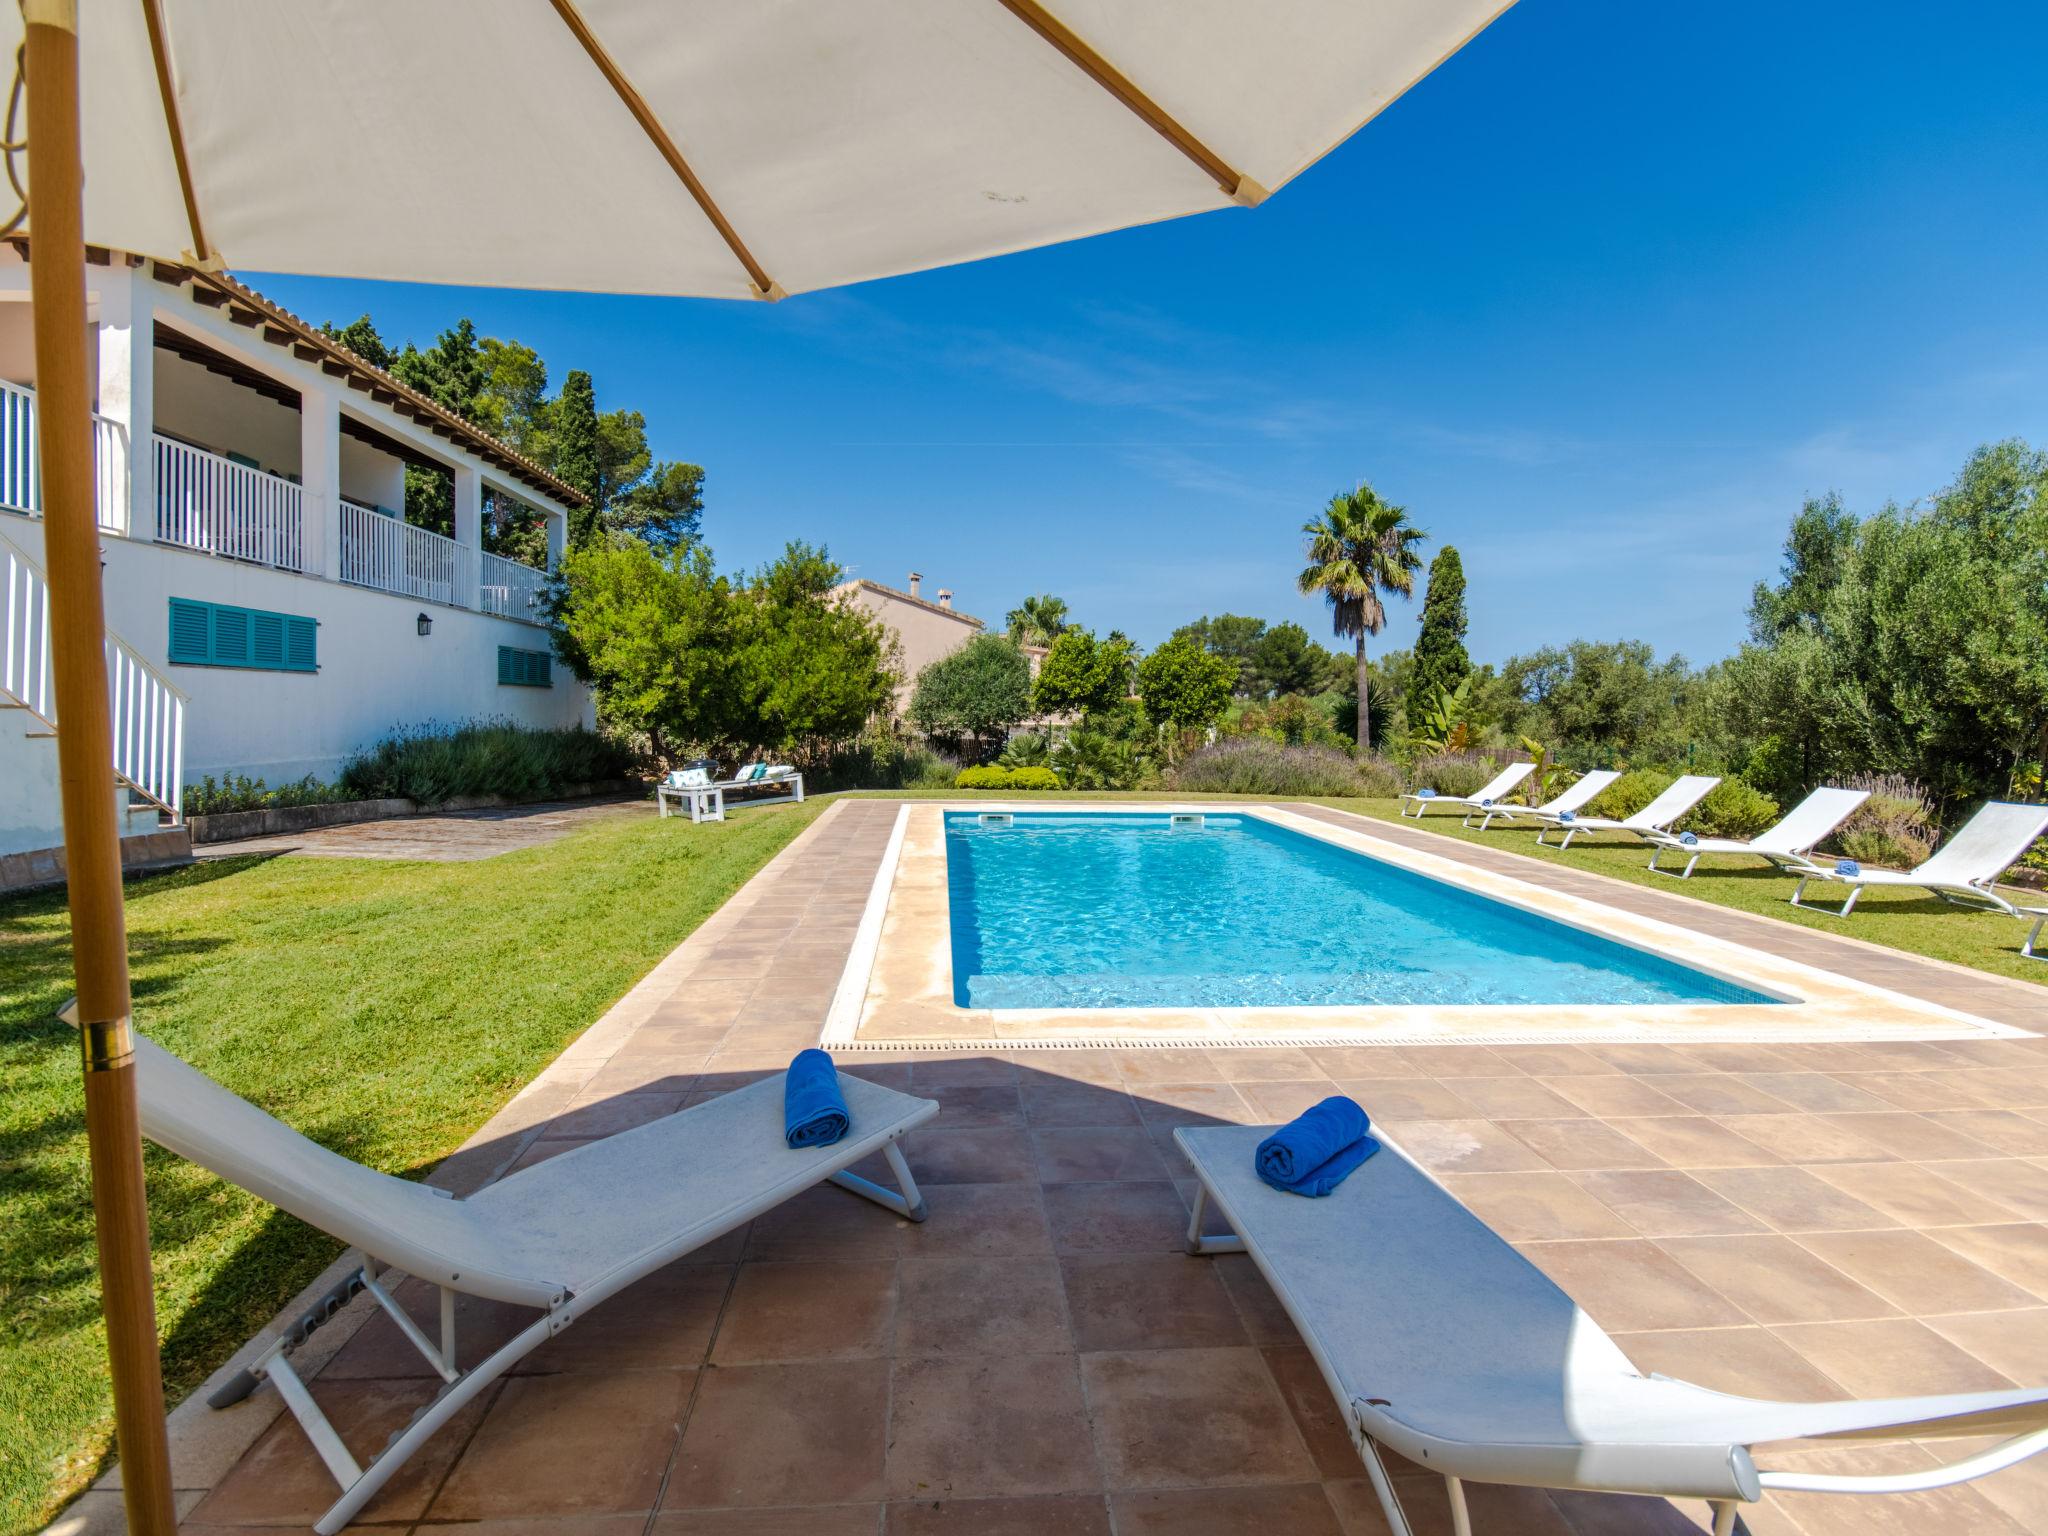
{"x": 1681, "y": 796}
{"x": 560, "y": 1236}
{"x": 1503, "y": 781}
{"x": 1444, "y": 1344}
{"x": 1964, "y": 869}
{"x": 1785, "y": 844}
{"x": 1575, "y": 795}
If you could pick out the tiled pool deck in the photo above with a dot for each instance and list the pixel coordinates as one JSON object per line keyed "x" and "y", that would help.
{"x": 1801, "y": 1221}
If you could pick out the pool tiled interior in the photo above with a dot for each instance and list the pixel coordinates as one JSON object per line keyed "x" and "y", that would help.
{"x": 1792, "y": 1220}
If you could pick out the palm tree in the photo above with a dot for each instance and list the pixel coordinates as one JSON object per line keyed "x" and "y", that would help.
{"x": 1359, "y": 549}
{"x": 1038, "y": 620}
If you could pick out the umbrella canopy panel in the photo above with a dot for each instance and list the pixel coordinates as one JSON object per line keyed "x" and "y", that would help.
{"x": 721, "y": 148}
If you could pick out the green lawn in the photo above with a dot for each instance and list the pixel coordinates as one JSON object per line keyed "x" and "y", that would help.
{"x": 387, "y": 1009}
{"x": 1903, "y": 919}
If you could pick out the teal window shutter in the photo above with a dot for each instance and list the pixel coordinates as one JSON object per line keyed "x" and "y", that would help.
{"x": 191, "y": 632}
{"x": 224, "y": 635}
{"x": 525, "y": 669}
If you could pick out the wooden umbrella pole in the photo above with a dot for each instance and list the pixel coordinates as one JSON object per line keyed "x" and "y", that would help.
{"x": 85, "y": 747}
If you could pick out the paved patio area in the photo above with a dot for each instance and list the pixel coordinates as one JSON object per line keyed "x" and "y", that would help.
{"x": 442, "y": 836}
{"x": 1799, "y": 1221}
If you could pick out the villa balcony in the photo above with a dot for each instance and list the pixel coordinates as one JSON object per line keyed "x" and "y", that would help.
{"x": 221, "y": 504}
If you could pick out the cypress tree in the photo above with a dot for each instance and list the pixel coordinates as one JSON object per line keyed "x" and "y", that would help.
{"x": 1440, "y": 658}
{"x": 576, "y": 457}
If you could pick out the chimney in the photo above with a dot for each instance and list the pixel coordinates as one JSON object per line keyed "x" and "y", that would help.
{"x": 946, "y": 597}
{"x": 915, "y": 578}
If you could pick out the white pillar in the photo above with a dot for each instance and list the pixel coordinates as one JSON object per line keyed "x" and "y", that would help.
{"x": 320, "y": 477}
{"x": 556, "y": 522}
{"x": 469, "y": 533}
{"x": 127, "y": 398}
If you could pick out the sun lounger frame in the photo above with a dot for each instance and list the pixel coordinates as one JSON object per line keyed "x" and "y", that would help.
{"x": 176, "y": 1102}
{"x": 1675, "y": 800}
{"x": 1221, "y": 1157}
{"x": 1786, "y": 843}
{"x": 1506, "y": 782}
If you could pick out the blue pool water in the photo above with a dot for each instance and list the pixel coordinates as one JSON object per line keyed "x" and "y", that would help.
{"x": 1126, "y": 911}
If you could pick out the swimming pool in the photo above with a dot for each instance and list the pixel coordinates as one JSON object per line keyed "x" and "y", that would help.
{"x": 1064, "y": 911}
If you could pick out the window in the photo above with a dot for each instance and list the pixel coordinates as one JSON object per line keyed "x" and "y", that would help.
{"x": 222, "y": 635}
{"x": 525, "y": 669}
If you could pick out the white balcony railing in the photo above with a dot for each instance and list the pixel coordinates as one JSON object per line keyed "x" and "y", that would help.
{"x": 211, "y": 503}
{"x": 21, "y": 476}
{"x": 393, "y": 556}
{"x": 148, "y": 712}
{"x": 509, "y": 589}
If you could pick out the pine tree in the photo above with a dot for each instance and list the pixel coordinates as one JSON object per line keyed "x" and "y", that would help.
{"x": 576, "y": 452}
{"x": 1440, "y": 657}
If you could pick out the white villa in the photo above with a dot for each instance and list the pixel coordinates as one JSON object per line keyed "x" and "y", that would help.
{"x": 269, "y": 609}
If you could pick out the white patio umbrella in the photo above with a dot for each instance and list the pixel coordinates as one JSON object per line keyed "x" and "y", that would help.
{"x": 717, "y": 148}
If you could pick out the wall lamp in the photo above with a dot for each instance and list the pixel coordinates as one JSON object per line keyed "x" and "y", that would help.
{"x": 426, "y": 625}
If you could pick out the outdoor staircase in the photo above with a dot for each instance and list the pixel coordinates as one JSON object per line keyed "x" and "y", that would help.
{"x": 148, "y": 709}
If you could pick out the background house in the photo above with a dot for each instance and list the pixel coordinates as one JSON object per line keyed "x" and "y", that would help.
{"x": 269, "y": 608}
{"x": 924, "y": 630}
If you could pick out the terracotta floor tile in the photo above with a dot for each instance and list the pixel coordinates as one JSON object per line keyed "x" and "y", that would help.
{"x": 574, "y": 1525}
{"x": 1148, "y": 1301}
{"x": 2016, "y": 1251}
{"x": 1496, "y": 1511}
{"x": 1407, "y": 1098}
{"x": 985, "y": 1220}
{"x": 963, "y": 1428}
{"x": 377, "y": 1350}
{"x": 1264, "y": 1064}
{"x": 1644, "y": 1060}
{"x": 1265, "y": 1320}
{"x": 1891, "y": 1357}
{"x": 1134, "y": 1216}
{"x": 1817, "y": 1092}
{"x": 784, "y": 1434}
{"x": 1792, "y": 1200}
{"x": 1776, "y": 1279}
{"x": 987, "y": 1155}
{"x": 1069, "y": 1514}
{"x": 1316, "y": 1414}
{"x": 1138, "y": 1068}
{"x": 960, "y": 1071}
{"x": 1693, "y": 1141}
{"x": 282, "y": 1481}
{"x": 811, "y": 1520}
{"x": 1746, "y": 1361}
{"x": 1629, "y": 1284}
{"x": 1524, "y": 1207}
{"x": 1627, "y": 1514}
{"x": 1342, "y": 1061}
{"x": 569, "y": 1445}
{"x": 664, "y": 1321}
{"x": 1058, "y": 1102}
{"x": 2015, "y": 1344}
{"x": 1457, "y": 1061}
{"x": 1581, "y": 1144}
{"x": 975, "y": 1306}
{"x": 1667, "y": 1203}
{"x": 1913, "y": 1136}
{"x": 1961, "y": 1510}
{"x": 1086, "y": 1154}
{"x": 1555, "y": 1060}
{"x": 1191, "y": 1418}
{"x": 827, "y": 1223}
{"x": 1464, "y": 1146}
{"x": 1911, "y": 1194}
{"x": 1915, "y": 1271}
{"x": 609, "y": 1116}
{"x": 1719, "y": 1093}
{"x": 1617, "y": 1097}
{"x": 1516, "y": 1098}
{"x": 1297, "y": 1509}
{"x": 1276, "y": 1102}
{"x": 2016, "y": 1133}
{"x": 1201, "y": 1103}
{"x": 2017, "y": 1184}
{"x": 977, "y": 1104}
{"x": 647, "y": 1072}
{"x": 807, "y": 1311}
{"x": 1810, "y": 1139}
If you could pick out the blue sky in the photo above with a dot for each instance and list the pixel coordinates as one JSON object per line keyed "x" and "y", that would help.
{"x": 1599, "y": 301}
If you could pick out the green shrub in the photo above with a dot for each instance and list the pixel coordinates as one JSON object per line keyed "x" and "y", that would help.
{"x": 433, "y": 764}
{"x": 1256, "y": 765}
{"x": 238, "y": 792}
{"x": 982, "y": 778}
{"x": 1032, "y": 776}
{"x": 1629, "y": 793}
{"x": 1732, "y": 808}
{"x": 879, "y": 759}
{"x": 1094, "y": 759}
{"x": 1379, "y": 778}
{"x": 1894, "y": 828}
{"x": 1029, "y": 749}
{"x": 1454, "y": 773}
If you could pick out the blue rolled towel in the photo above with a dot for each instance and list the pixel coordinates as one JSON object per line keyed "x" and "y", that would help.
{"x": 813, "y": 1109}
{"x": 1848, "y": 867}
{"x": 1312, "y": 1154}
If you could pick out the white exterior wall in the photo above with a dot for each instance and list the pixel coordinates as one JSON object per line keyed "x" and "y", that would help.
{"x": 376, "y": 672}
